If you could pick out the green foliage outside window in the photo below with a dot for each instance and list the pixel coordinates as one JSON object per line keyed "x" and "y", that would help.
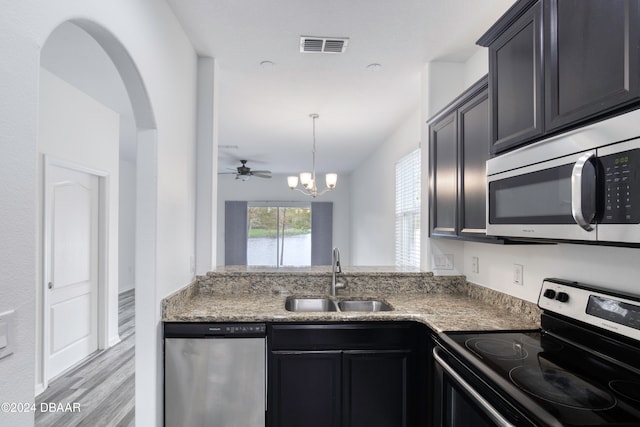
{"x": 263, "y": 221}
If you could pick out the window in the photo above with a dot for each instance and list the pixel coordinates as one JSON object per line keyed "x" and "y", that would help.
{"x": 408, "y": 210}
{"x": 279, "y": 235}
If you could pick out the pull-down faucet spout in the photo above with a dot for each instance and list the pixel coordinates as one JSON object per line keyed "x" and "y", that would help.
{"x": 335, "y": 270}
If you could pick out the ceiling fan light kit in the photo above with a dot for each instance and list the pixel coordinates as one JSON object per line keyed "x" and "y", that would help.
{"x": 308, "y": 179}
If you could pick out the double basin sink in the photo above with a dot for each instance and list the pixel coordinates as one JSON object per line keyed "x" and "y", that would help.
{"x": 326, "y": 304}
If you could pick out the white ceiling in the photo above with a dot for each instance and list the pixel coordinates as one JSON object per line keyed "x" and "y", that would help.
{"x": 265, "y": 111}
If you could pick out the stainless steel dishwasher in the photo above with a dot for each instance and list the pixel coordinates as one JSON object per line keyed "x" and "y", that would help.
{"x": 214, "y": 374}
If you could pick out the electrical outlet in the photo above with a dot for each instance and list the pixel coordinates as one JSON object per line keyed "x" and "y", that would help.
{"x": 475, "y": 265}
{"x": 518, "y": 274}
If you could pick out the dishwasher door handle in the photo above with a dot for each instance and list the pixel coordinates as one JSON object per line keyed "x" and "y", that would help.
{"x": 486, "y": 406}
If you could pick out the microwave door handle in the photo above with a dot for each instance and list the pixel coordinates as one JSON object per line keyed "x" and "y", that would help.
{"x": 486, "y": 406}
{"x": 576, "y": 191}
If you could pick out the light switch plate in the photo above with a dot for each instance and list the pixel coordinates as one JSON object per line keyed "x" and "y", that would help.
{"x": 443, "y": 261}
{"x": 6, "y": 333}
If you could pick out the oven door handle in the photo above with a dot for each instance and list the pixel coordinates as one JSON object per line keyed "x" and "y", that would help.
{"x": 576, "y": 192}
{"x": 486, "y": 406}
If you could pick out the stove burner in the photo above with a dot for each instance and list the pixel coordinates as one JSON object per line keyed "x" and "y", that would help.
{"x": 497, "y": 348}
{"x": 627, "y": 389}
{"x": 561, "y": 387}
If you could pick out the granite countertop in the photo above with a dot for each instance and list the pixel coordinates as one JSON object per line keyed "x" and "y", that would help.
{"x": 444, "y": 303}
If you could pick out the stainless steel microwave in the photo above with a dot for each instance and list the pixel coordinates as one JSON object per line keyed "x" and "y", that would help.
{"x": 583, "y": 185}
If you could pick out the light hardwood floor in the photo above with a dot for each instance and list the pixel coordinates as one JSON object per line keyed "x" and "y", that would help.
{"x": 103, "y": 385}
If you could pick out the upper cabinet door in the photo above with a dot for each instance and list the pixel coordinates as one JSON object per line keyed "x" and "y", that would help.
{"x": 591, "y": 58}
{"x": 443, "y": 174}
{"x": 473, "y": 135}
{"x": 516, "y": 82}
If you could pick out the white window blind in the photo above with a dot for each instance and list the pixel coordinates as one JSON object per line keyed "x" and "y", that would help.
{"x": 408, "y": 210}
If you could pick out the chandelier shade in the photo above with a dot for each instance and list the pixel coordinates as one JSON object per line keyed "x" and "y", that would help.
{"x": 308, "y": 179}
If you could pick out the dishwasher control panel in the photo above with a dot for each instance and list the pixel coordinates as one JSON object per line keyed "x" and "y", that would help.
{"x": 208, "y": 330}
{"x": 238, "y": 329}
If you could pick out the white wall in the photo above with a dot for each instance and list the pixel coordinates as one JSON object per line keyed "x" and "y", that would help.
{"x": 146, "y": 42}
{"x": 476, "y": 67}
{"x": 206, "y": 166}
{"x": 276, "y": 189}
{"x": 443, "y": 82}
{"x": 373, "y": 196}
{"x": 373, "y": 182}
{"x": 609, "y": 267}
{"x": 127, "y": 226}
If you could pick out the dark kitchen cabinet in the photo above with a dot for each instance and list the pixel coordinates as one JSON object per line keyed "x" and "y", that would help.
{"x": 473, "y": 139}
{"x": 349, "y": 375}
{"x": 443, "y": 169}
{"x": 558, "y": 64}
{"x": 516, "y": 82}
{"x": 458, "y": 151}
{"x": 375, "y": 388}
{"x": 591, "y": 58}
{"x": 306, "y": 389}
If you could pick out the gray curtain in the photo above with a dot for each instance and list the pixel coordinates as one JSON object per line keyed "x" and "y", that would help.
{"x": 235, "y": 233}
{"x": 321, "y": 232}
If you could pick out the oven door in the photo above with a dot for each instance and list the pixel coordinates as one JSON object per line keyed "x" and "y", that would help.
{"x": 462, "y": 399}
{"x": 555, "y": 199}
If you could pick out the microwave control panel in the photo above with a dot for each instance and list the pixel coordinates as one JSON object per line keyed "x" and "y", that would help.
{"x": 621, "y": 187}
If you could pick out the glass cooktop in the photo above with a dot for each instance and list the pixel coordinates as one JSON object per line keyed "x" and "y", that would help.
{"x": 576, "y": 387}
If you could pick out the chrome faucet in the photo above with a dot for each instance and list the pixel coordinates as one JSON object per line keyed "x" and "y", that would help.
{"x": 335, "y": 270}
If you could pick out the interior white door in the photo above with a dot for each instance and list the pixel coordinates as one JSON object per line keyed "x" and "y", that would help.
{"x": 71, "y": 306}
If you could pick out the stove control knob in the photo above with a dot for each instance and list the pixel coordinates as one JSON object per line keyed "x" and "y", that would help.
{"x": 562, "y": 297}
{"x": 550, "y": 293}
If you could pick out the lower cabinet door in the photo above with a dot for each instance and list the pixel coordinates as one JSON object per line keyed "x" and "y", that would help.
{"x": 375, "y": 388}
{"x": 305, "y": 389}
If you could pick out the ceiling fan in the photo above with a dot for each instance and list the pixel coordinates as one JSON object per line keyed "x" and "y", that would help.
{"x": 244, "y": 172}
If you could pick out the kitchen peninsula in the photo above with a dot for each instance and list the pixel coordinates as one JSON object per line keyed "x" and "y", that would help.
{"x": 327, "y": 364}
{"x": 444, "y": 303}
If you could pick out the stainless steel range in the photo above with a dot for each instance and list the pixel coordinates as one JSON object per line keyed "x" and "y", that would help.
{"x": 582, "y": 368}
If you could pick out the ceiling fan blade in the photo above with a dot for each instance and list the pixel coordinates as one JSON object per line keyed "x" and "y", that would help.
{"x": 258, "y": 171}
{"x": 260, "y": 175}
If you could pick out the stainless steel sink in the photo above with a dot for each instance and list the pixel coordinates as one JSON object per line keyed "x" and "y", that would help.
{"x": 364, "y": 305}
{"x": 309, "y": 304}
{"x": 325, "y": 304}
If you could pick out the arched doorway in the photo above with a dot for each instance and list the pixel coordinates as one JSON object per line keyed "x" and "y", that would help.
{"x": 136, "y": 141}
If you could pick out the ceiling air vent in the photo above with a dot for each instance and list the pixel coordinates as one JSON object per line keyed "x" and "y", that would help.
{"x": 323, "y": 44}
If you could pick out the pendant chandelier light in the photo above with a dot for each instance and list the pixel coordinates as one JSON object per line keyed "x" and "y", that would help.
{"x": 308, "y": 179}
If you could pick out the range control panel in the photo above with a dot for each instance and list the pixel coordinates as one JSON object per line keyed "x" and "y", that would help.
{"x": 621, "y": 187}
{"x": 597, "y": 307}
